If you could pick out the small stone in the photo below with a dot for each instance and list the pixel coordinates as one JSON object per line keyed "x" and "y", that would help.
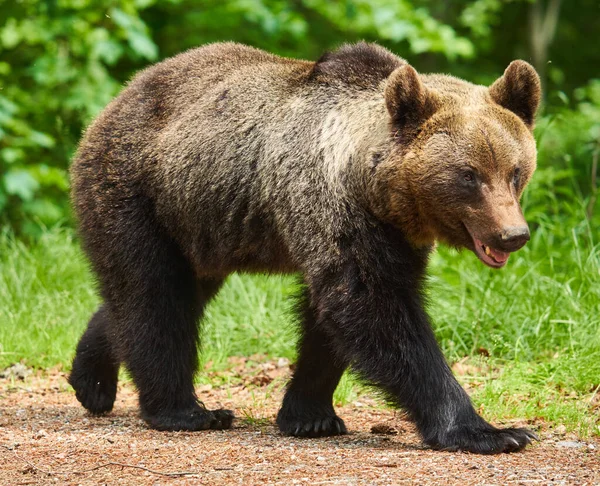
{"x": 384, "y": 429}
{"x": 570, "y": 444}
{"x": 18, "y": 371}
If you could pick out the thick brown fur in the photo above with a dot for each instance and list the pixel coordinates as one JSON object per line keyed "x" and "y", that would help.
{"x": 227, "y": 158}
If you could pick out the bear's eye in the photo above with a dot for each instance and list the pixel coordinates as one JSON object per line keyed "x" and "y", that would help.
{"x": 469, "y": 179}
{"x": 469, "y": 176}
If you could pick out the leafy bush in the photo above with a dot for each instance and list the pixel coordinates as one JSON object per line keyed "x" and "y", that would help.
{"x": 568, "y": 144}
{"x": 62, "y": 61}
{"x": 61, "y": 64}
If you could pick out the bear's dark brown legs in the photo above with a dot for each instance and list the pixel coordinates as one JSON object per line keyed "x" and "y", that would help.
{"x": 383, "y": 330}
{"x": 155, "y": 302}
{"x": 307, "y": 409}
{"x": 163, "y": 360}
{"x": 162, "y": 354}
{"x": 95, "y": 367}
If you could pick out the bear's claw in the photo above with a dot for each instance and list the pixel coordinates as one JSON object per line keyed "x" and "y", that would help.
{"x": 485, "y": 440}
{"x": 317, "y": 427}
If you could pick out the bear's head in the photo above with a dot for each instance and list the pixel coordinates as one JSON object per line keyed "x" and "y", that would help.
{"x": 461, "y": 157}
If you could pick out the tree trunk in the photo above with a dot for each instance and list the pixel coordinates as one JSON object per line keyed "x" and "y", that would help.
{"x": 542, "y": 29}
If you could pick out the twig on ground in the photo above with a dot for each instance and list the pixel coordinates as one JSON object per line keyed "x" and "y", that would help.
{"x": 29, "y": 463}
{"x": 134, "y": 466}
{"x": 100, "y": 466}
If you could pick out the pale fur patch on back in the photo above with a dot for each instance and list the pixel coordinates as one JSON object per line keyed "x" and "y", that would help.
{"x": 337, "y": 144}
{"x": 349, "y": 133}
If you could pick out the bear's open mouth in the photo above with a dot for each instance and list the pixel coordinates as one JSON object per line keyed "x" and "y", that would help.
{"x": 490, "y": 256}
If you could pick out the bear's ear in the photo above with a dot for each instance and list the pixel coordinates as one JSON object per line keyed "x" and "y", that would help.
{"x": 409, "y": 102}
{"x": 518, "y": 90}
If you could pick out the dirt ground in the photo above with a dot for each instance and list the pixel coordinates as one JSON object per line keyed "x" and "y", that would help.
{"x": 47, "y": 438}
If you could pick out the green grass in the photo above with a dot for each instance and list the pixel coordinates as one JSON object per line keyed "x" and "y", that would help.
{"x": 47, "y": 295}
{"x": 538, "y": 319}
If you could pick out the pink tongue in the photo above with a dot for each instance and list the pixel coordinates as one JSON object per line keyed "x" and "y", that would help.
{"x": 499, "y": 256}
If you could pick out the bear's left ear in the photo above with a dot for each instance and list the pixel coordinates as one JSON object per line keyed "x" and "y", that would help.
{"x": 518, "y": 90}
{"x": 408, "y": 101}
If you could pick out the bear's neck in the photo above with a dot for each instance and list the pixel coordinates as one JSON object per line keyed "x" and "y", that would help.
{"x": 392, "y": 199}
{"x": 369, "y": 162}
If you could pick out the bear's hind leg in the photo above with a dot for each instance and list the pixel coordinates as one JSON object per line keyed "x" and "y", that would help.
{"x": 95, "y": 367}
{"x": 307, "y": 409}
{"x": 161, "y": 351}
{"x": 155, "y": 300}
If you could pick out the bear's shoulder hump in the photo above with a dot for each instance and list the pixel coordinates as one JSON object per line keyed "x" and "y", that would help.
{"x": 362, "y": 64}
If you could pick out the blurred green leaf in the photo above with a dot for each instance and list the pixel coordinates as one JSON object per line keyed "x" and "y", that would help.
{"x": 41, "y": 139}
{"x": 10, "y": 35}
{"x": 45, "y": 210}
{"x": 143, "y": 45}
{"x": 21, "y": 183}
{"x": 136, "y": 32}
{"x": 11, "y": 155}
{"x": 50, "y": 177}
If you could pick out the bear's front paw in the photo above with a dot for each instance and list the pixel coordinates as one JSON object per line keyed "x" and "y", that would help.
{"x": 192, "y": 419}
{"x": 483, "y": 440}
{"x": 318, "y": 427}
{"x": 310, "y": 421}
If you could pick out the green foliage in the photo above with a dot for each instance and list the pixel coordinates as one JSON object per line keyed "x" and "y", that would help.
{"x": 480, "y": 16}
{"x": 570, "y": 139}
{"x": 62, "y": 61}
{"x": 395, "y": 21}
{"x": 306, "y": 28}
{"x": 59, "y": 68}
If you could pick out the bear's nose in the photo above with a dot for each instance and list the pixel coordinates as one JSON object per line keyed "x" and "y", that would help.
{"x": 514, "y": 237}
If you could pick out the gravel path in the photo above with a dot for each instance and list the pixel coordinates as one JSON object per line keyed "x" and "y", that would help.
{"x": 47, "y": 438}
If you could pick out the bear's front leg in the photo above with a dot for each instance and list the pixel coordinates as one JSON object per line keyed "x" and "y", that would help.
{"x": 307, "y": 409}
{"x": 380, "y": 326}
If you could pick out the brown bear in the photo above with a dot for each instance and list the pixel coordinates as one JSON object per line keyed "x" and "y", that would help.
{"x": 346, "y": 170}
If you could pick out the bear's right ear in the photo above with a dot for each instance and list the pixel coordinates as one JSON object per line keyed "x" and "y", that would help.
{"x": 408, "y": 101}
{"x": 519, "y": 91}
